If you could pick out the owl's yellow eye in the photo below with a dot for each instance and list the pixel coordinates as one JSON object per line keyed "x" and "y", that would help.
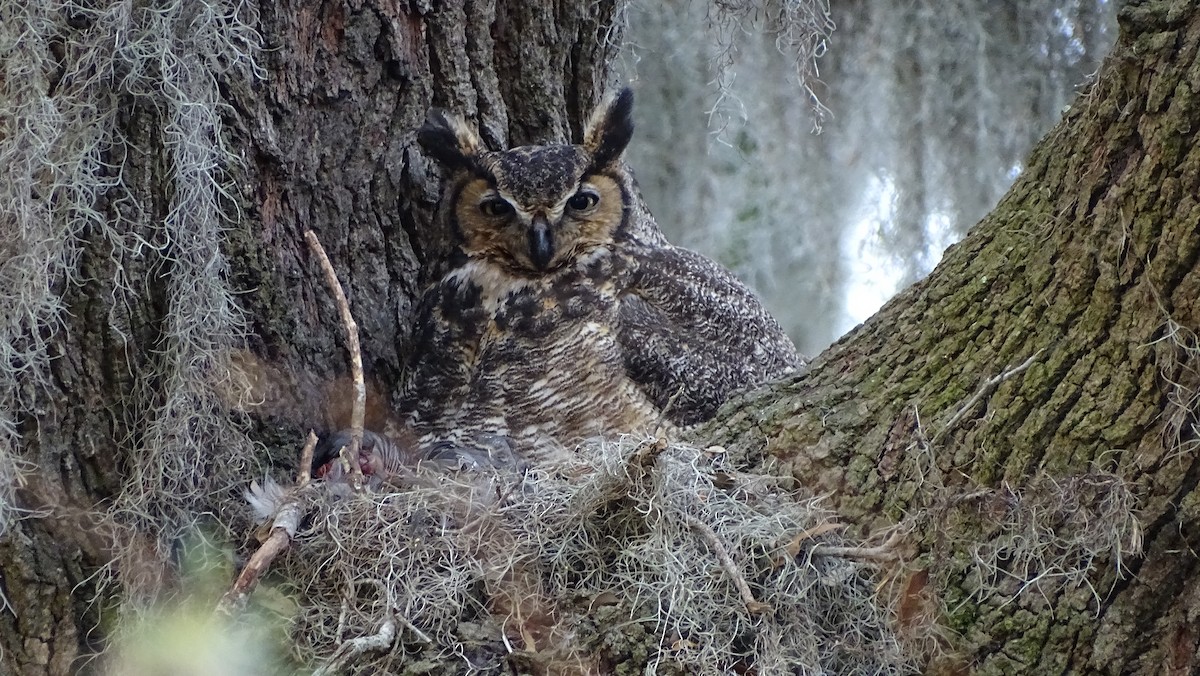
{"x": 496, "y": 207}
{"x": 583, "y": 200}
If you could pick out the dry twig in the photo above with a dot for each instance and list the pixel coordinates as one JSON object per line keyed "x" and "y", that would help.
{"x": 987, "y": 387}
{"x": 753, "y": 606}
{"x": 306, "y": 460}
{"x": 884, "y": 552}
{"x": 293, "y": 508}
{"x": 381, "y": 640}
{"x": 358, "y": 412}
{"x": 286, "y": 524}
{"x": 283, "y": 529}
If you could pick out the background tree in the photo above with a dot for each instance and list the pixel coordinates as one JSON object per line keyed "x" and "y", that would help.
{"x": 165, "y": 160}
{"x": 927, "y": 111}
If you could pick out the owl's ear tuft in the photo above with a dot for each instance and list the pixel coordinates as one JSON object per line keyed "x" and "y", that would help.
{"x": 448, "y": 139}
{"x": 610, "y": 128}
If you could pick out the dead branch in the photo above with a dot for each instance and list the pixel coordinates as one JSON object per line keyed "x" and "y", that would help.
{"x": 358, "y": 412}
{"x": 306, "y": 460}
{"x": 985, "y": 389}
{"x": 421, "y": 636}
{"x": 793, "y": 546}
{"x": 884, "y": 552}
{"x": 286, "y": 524}
{"x": 753, "y": 606}
{"x": 381, "y": 640}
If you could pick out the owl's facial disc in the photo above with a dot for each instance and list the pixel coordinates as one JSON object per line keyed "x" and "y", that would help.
{"x": 534, "y": 232}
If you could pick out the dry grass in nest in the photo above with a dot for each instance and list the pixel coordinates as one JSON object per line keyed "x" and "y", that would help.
{"x": 636, "y": 551}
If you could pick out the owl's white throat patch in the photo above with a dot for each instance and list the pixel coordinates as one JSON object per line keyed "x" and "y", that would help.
{"x": 495, "y": 282}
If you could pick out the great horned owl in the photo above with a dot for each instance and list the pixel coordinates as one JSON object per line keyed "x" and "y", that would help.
{"x": 566, "y": 314}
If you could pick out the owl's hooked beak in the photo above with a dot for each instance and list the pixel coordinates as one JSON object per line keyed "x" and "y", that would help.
{"x": 541, "y": 242}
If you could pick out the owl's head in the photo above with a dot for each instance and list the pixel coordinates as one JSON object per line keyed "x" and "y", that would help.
{"x": 533, "y": 209}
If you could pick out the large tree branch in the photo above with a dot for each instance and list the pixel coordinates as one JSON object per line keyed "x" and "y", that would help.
{"x": 1077, "y": 276}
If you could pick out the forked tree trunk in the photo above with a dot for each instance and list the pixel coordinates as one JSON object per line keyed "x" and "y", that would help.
{"x": 1086, "y": 274}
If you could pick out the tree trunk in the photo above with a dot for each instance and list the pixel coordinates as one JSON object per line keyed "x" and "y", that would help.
{"x": 227, "y": 150}
{"x": 1086, "y": 275}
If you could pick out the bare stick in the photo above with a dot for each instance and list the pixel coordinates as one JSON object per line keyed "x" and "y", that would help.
{"x": 793, "y": 545}
{"x": 884, "y": 552}
{"x": 422, "y": 636}
{"x": 986, "y": 388}
{"x": 283, "y": 529}
{"x": 306, "y": 460}
{"x": 358, "y": 412}
{"x": 287, "y": 522}
{"x": 381, "y": 640}
{"x": 753, "y": 606}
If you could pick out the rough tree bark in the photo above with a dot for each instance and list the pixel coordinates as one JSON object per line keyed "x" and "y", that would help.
{"x": 1088, "y": 270}
{"x": 326, "y": 140}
